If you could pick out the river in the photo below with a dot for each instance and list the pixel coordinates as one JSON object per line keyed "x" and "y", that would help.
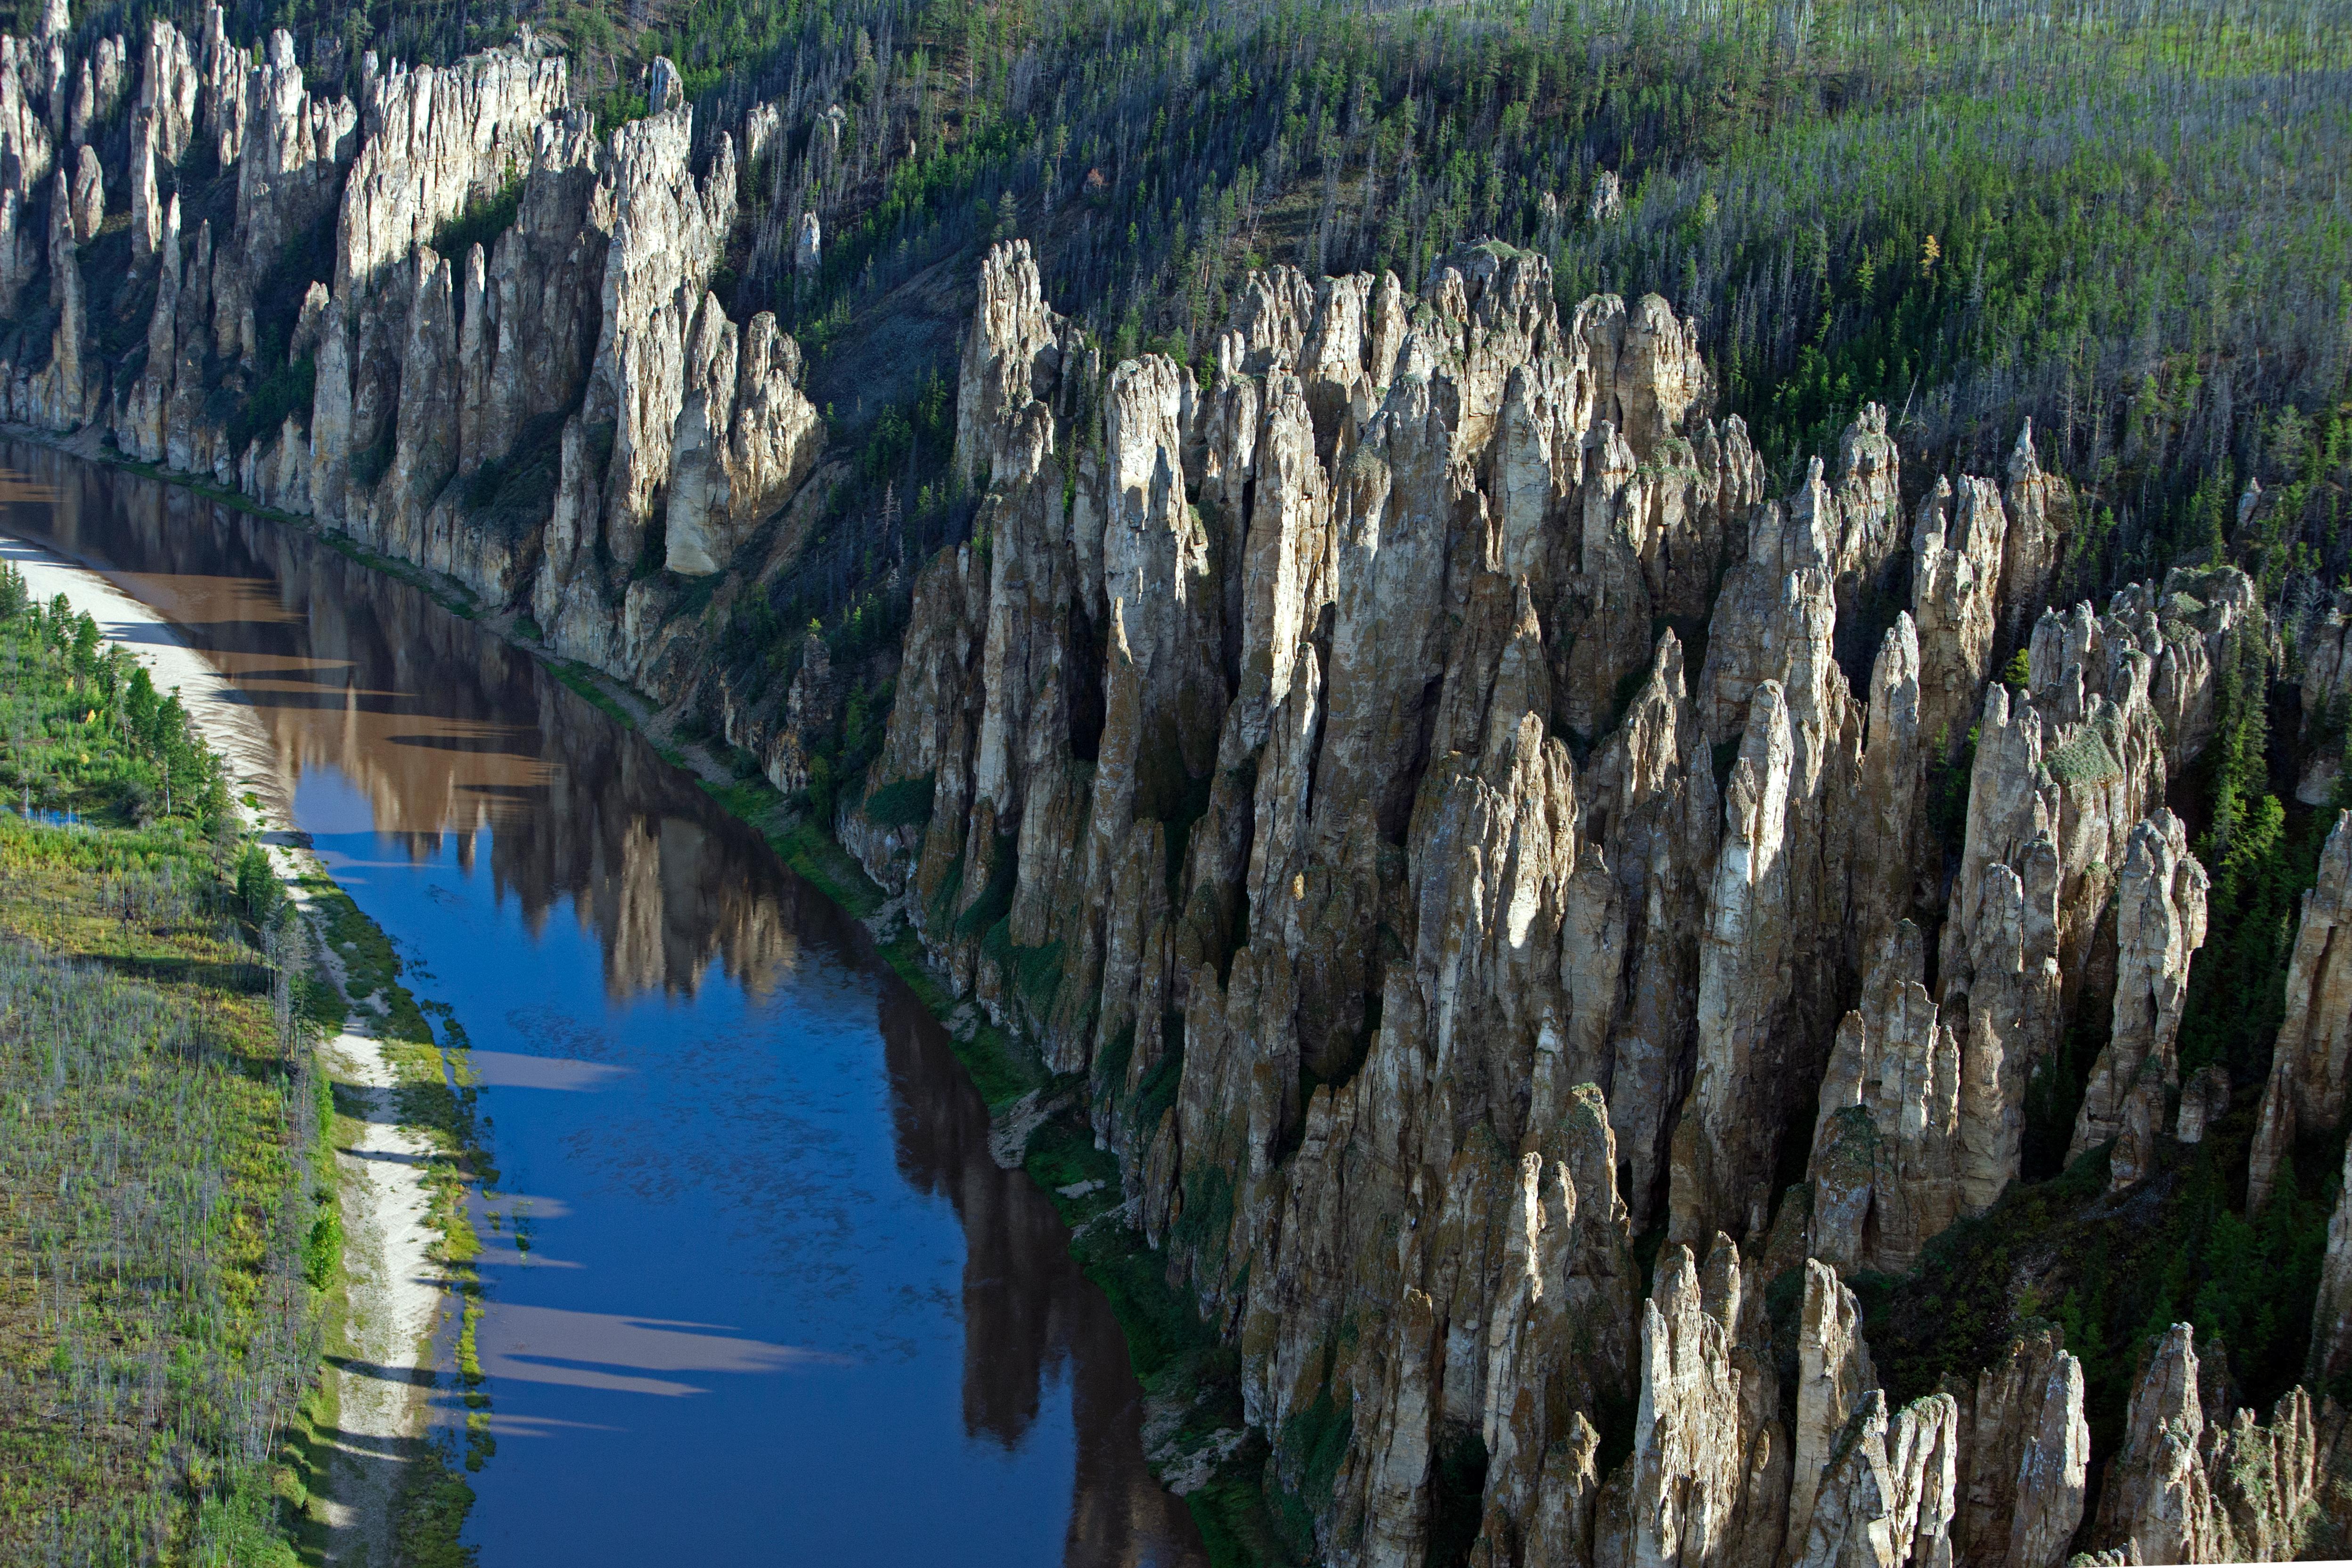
{"x": 777, "y": 1304}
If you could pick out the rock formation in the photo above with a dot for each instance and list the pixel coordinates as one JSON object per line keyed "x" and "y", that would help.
{"x": 2313, "y": 1059}
{"x": 2331, "y": 1317}
{"x": 1317, "y": 736}
{"x": 1912, "y": 1129}
{"x": 2160, "y": 922}
{"x": 2184, "y": 1489}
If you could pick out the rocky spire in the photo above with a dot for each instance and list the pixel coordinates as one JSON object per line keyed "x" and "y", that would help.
{"x": 1913, "y": 1121}
{"x": 1833, "y": 1373}
{"x": 2160, "y": 923}
{"x": 1956, "y": 552}
{"x": 2312, "y": 1061}
{"x": 1887, "y": 1495}
{"x": 2040, "y": 509}
{"x": 2186, "y": 1489}
{"x": 1704, "y": 1484}
{"x": 2025, "y": 1451}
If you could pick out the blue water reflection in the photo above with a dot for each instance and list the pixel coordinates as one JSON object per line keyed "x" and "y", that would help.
{"x": 777, "y": 1304}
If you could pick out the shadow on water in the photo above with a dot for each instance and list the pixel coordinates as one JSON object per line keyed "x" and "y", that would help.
{"x": 757, "y": 1292}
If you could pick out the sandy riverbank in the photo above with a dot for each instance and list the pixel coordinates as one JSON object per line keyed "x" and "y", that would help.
{"x": 395, "y": 1288}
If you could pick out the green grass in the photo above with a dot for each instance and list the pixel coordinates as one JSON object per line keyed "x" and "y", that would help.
{"x": 163, "y": 1150}
{"x": 583, "y": 681}
{"x": 167, "y": 1148}
{"x": 820, "y": 860}
{"x": 430, "y": 1511}
{"x": 902, "y": 803}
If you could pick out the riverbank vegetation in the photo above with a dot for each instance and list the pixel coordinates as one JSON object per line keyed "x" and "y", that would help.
{"x": 172, "y": 1279}
{"x": 168, "y": 1244}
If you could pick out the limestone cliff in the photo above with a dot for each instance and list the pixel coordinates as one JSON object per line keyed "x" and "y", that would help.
{"x": 1320, "y": 743}
{"x": 563, "y": 418}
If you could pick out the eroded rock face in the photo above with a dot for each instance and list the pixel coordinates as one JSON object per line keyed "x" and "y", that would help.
{"x": 2184, "y": 1489}
{"x": 1460, "y": 1013}
{"x": 1264, "y": 648}
{"x": 2040, "y": 513}
{"x": 1833, "y": 1372}
{"x": 1956, "y": 554}
{"x": 1911, "y": 1126}
{"x": 434, "y": 140}
{"x": 2160, "y": 922}
{"x": 2026, "y": 1452}
{"x": 1888, "y": 1497}
{"x": 2313, "y": 1059}
{"x": 1558, "y": 1343}
{"x": 745, "y": 438}
{"x": 293, "y": 154}
{"x": 578, "y": 345}
{"x": 1703, "y": 1483}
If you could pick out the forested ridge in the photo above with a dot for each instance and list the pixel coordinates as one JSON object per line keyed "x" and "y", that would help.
{"x": 2127, "y": 224}
{"x": 2125, "y": 221}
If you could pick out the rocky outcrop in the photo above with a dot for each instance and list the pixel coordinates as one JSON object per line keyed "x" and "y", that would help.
{"x": 2184, "y": 1489}
{"x": 294, "y": 150}
{"x": 1782, "y": 941}
{"x": 1559, "y": 1344}
{"x": 63, "y": 394}
{"x": 2160, "y": 922}
{"x": 435, "y": 140}
{"x": 1956, "y": 557}
{"x": 1912, "y": 1132}
{"x": 2025, "y": 1453}
{"x": 88, "y": 196}
{"x": 1317, "y": 739}
{"x": 1833, "y": 1373}
{"x": 1707, "y": 1477}
{"x": 2324, "y": 695}
{"x": 577, "y": 350}
{"x": 1889, "y": 1496}
{"x": 2040, "y": 509}
{"x": 1012, "y": 356}
{"x": 1337, "y": 461}
{"x": 2065, "y": 771}
{"x": 745, "y": 438}
{"x": 2312, "y": 1060}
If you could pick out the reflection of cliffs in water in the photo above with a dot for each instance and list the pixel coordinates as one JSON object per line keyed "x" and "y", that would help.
{"x": 1029, "y": 1313}
{"x": 445, "y": 730}
{"x": 352, "y": 670}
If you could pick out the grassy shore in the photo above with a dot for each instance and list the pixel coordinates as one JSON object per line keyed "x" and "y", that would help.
{"x": 172, "y": 1225}
{"x": 168, "y": 1255}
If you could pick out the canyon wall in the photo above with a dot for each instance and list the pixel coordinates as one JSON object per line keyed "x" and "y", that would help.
{"x": 1460, "y": 834}
{"x": 562, "y": 415}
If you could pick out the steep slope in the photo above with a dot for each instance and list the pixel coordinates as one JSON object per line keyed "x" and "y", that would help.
{"x": 1318, "y": 773}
